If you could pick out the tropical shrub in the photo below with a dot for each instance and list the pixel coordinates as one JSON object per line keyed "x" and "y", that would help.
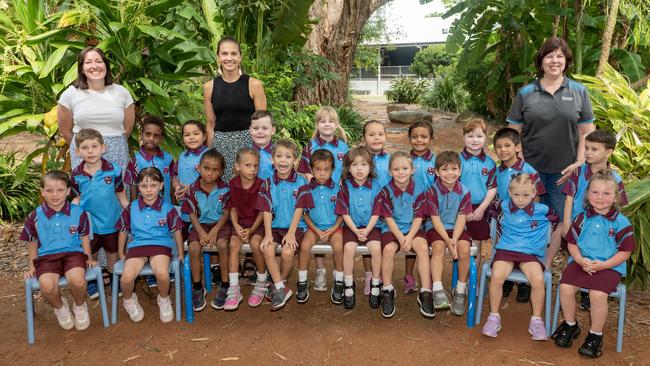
{"x": 19, "y": 188}
{"x": 432, "y": 61}
{"x": 406, "y": 90}
{"x": 446, "y": 94}
{"x": 638, "y": 211}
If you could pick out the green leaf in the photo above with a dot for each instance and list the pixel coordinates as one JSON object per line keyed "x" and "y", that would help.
{"x": 42, "y": 37}
{"x": 153, "y": 87}
{"x": 53, "y": 61}
{"x": 158, "y": 7}
{"x": 70, "y": 75}
{"x": 630, "y": 62}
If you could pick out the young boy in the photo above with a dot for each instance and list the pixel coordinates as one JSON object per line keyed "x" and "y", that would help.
{"x": 205, "y": 203}
{"x": 283, "y": 223}
{"x": 449, "y": 204}
{"x": 57, "y": 233}
{"x": 262, "y": 129}
{"x": 507, "y": 145}
{"x": 318, "y": 199}
{"x": 97, "y": 185}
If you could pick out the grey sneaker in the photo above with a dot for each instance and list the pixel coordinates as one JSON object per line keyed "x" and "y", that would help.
{"x": 219, "y": 301}
{"x": 440, "y": 300}
{"x": 198, "y": 299}
{"x": 458, "y": 303}
{"x": 280, "y": 298}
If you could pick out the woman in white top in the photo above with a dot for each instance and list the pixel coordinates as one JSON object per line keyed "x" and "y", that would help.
{"x": 93, "y": 101}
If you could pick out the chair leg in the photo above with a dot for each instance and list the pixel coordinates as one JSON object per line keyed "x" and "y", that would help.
{"x": 481, "y": 294}
{"x": 471, "y": 294}
{"x": 454, "y": 275}
{"x": 207, "y": 274}
{"x": 177, "y": 287}
{"x": 621, "y": 317}
{"x": 102, "y": 295}
{"x": 29, "y": 312}
{"x": 548, "y": 282}
{"x": 114, "y": 295}
{"x": 187, "y": 289}
{"x": 556, "y": 309}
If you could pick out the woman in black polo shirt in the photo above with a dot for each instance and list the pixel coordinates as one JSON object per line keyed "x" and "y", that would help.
{"x": 229, "y": 102}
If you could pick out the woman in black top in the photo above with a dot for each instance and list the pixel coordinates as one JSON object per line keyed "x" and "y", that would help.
{"x": 229, "y": 102}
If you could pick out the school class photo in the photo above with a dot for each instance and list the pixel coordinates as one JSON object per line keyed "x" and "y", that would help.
{"x": 221, "y": 214}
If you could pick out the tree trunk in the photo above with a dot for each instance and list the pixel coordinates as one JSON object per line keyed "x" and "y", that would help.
{"x": 335, "y": 36}
{"x": 577, "y": 50}
{"x": 607, "y": 37}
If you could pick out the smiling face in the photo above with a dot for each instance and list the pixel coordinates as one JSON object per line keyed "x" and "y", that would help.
{"x": 474, "y": 140}
{"x": 375, "y": 137}
{"x": 554, "y": 63}
{"x": 401, "y": 169}
{"x": 229, "y": 56}
{"x": 522, "y": 194}
{"x": 420, "y": 139}
{"x": 261, "y": 131}
{"x": 151, "y": 136}
{"x": 149, "y": 189}
{"x": 54, "y": 193}
{"x": 283, "y": 160}
{"x": 247, "y": 167}
{"x": 506, "y": 150}
{"x": 94, "y": 67}
{"x": 448, "y": 174}
{"x": 193, "y": 137}
{"x": 601, "y": 195}
{"x": 91, "y": 150}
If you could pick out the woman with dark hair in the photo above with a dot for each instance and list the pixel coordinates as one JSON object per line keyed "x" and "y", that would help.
{"x": 94, "y": 101}
{"x": 229, "y": 101}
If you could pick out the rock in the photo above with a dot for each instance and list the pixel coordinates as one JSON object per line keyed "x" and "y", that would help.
{"x": 398, "y": 107}
{"x": 466, "y": 116}
{"x": 409, "y": 117}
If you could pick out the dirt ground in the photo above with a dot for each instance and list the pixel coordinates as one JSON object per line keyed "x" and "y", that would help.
{"x": 314, "y": 333}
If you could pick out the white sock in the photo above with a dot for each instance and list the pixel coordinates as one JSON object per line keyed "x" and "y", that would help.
{"x": 596, "y": 333}
{"x": 461, "y": 287}
{"x": 279, "y": 285}
{"x": 424, "y": 289}
{"x": 349, "y": 280}
{"x": 338, "y": 276}
{"x": 388, "y": 287}
{"x": 321, "y": 270}
{"x": 302, "y": 276}
{"x": 437, "y": 286}
{"x": 368, "y": 274}
{"x": 535, "y": 318}
{"x": 375, "y": 290}
{"x": 261, "y": 277}
{"x": 496, "y": 314}
{"x": 234, "y": 278}
{"x": 570, "y": 323}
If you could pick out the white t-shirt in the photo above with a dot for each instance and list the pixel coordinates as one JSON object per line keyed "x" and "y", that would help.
{"x": 101, "y": 110}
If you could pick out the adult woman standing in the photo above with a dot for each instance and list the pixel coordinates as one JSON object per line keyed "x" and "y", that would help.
{"x": 229, "y": 101}
{"x": 94, "y": 101}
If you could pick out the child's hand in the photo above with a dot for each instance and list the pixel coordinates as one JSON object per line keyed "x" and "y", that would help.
{"x": 180, "y": 191}
{"x": 362, "y": 235}
{"x": 597, "y": 265}
{"x": 477, "y": 214}
{"x": 90, "y": 263}
{"x": 122, "y": 257}
{"x": 212, "y": 238}
{"x": 204, "y": 238}
{"x": 265, "y": 242}
{"x": 31, "y": 272}
{"x": 245, "y": 235}
{"x": 451, "y": 245}
{"x": 565, "y": 230}
{"x": 470, "y": 217}
{"x": 290, "y": 240}
{"x": 181, "y": 257}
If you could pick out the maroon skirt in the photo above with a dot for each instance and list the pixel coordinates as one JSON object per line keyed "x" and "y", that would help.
{"x": 515, "y": 257}
{"x": 106, "y": 241}
{"x": 224, "y": 232}
{"x": 432, "y": 235}
{"x": 59, "y": 263}
{"x": 349, "y": 236}
{"x": 388, "y": 237}
{"x": 605, "y": 280}
{"x": 479, "y": 230}
{"x": 147, "y": 251}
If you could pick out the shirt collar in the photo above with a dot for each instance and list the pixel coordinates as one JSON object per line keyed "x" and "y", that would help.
{"x": 314, "y": 183}
{"x": 382, "y": 153}
{"x": 458, "y": 189}
{"x": 322, "y": 141}
{"x": 589, "y": 172}
{"x": 529, "y": 209}
{"x": 156, "y": 205}
{"x": 367, "y": 183}
{"x": 268, "y": 148}
{"x": 538, "y": 84}
{"x": 410, "y": 188}
{"x": 468, "y": 155}
{"x": 518, "y": 165}
{"x": 291, "y": 178}
{"x": 49, "y": 211}
{"x": 610, "y": 215}
{"x": 79, "y": 170}
{"x": 159, "y": 153}
{"x": 428, "y": 155}
{"x": 195, "y": 152}
{"x": 196, "y": 186}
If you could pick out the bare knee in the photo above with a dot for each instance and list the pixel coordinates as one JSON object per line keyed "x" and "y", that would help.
{"x": 195, "y": 249}
{"x": 438, "y": 249}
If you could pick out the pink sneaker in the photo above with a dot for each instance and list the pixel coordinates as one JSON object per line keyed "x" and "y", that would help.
{"x": 366, "y": 288}
{"x": 233, "y": 299}
{"x": 409, "y": 284}
{"x": 257, "y": 295}
{"x": 492, "y": 326}
{"x": 537, "y": 330}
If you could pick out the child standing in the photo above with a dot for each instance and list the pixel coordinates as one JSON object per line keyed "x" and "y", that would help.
{"x": 187, "y": 169}
{"x": 205, "y": 203}
{"x": 246, "y": 220}
{"x": 523, "y": 235}
{"x": 98, "y": 184}
{"x": 283, "y": 223}
{"x": 262, "y": 129}
{"x": 328, "y": 135}
{"x": 57, "y": 233}
{"x": 600, "y": 240}
{"x": 156, "y": 228}
{"x": 403, "y": 213}
{"x": 319, "y": 202}
{"x": 358, "y": 203}
{"x": 449, "y": 204}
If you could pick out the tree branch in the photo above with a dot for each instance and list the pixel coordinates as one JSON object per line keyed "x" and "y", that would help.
{"x": 640, "y": 83}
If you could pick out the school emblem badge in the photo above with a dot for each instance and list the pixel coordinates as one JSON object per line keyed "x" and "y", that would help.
{"x": 162, "y": 222}
{"x": 333, "y": 198}
{"x": 72, "y": 229}
{"x": 534, "y": 224}
{"x": 108, "y": 180}
{"x": 165, "y": 170}
{"x": 484, "y": 171}
{"x": 295, "y": 193}
{"x": 431, "y": 171}
{"x": 612, "y": 232}
{"x": 340, "y": 156}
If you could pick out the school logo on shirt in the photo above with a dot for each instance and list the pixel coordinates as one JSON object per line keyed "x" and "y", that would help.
{"x": 534, "y": 224}
{"x": 72, "y": 229}
{"x": 333, "y": 198}
{"x": 612, "y": 232}
{"x": 431, "y": 171}
{"x": 162, "y": 222}
{"x": 165, "y": 170}
{"x": 220, "y": 198}
{"x": 340, "y": 156}
{"x": 484, "y": 171}
{"x": 295, "y": 193}
{"x": 108, "y": 180}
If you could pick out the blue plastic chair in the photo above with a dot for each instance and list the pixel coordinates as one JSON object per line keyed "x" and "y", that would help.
{"x": 174, "y": 268}
{"x": 620, "y": 294}
{"x": 92, "y": 274}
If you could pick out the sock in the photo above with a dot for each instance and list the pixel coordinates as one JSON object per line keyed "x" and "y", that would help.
{"x": 535, "y": 318}
{"x": 197, "y": 285}
{"x": 338, "y": 276}
{"x": 226, "y": 284}
{"x": 375, "y": 281}
{"x": 302, "y": 276}
{"x": 570, "y": 323}
{"x": 233, "y": 277}
{"x": 349, "y": 280}
{"x": 596, "y": 333}
{"x": 374, "y": 290}
{"x": 261, "y": 277}
{"x": 388, "y": 287}
{"x": 279, "y": 285}
{"x": 437, "y": 286}
{"x": 321, "y": 270}
{"x": 368, "y": 274}
{"x": 461, "y": 287}
{"x": 496, "y": 314}
{"x": 424, "y": 289}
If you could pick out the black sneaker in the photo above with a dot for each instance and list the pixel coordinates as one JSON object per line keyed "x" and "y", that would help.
{"x": 592, "y": 347}
{"x": 374, "y": 300}
{"x": 198, "y": 299}
{"x": 425, "y": 300}
{"x": 523, "y": 292}
{"x": 215, "y": 270}
{"x": 387, "y": 303}
{"x": 585, "y": 304}
{"x": 337, "y": 292}
{"x": 302, "y": 294}
{"x": 565, "y": 334}
{"x": 507, "y": 288}
{"x": 349, "y": 301}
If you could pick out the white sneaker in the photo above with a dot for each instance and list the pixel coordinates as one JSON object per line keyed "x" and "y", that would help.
{"x": 166, "y": 310}
{"x": 81, "y": 318}
{"x": 320, "y": 283}
{"x": 133, "y": 308}
{"x": 63, "y": 315}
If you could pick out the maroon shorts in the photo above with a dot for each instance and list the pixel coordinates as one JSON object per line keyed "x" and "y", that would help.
{"x": 515, "y": 257}
{"x": 432, "y": 235}
{"x": 349, "y": 236}
{"x": 59, "y": 263}
{"x": 388, "y": 237}
{"x": 106, "y": 241}
{"x": 278, "y": 234}
{"x": 224, "y": 232}
{"x": 479, "y": 230}
{"x": 185, "y": 231}
{"x": 147, "y": 251}
{"x": 605, "y": 280}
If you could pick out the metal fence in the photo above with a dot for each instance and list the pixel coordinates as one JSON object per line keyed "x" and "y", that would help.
{"x": 387, "y": 72}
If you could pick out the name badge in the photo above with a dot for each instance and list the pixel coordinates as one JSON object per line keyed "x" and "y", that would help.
{"x": 567, "y": 98}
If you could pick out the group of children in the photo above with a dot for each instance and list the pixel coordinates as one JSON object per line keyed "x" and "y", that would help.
{"x": 410, "y": 202}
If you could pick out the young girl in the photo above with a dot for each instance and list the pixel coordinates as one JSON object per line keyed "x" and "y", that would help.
{"x": 403, "y": 212}
{"x": 523, "y": 231}
{"x": 358, "y": 203}
{"x": 245, "y": 219}
{"x": 600, "y": 240}
{"x": 156, "y": 228}
{"x": 187, "y": 167}
{"x": 57, "y": 233}
{"x": 328, "y": 135}
{"x": 205, "y": 203}
{"x": 424, "y": 161}
{"x": 374, "y": 139}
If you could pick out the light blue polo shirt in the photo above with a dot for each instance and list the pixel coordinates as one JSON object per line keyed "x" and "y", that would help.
{"x": 337, "y": 147}
{"x": 319, "y": 201}
{"x": 161, "y": 160}
{"x": 382, "y": 168}
{"x": 525, "y": 230}
{"x": 448, "y": 204}
{"x": 478, "y": 174}
{"x": 150, "y": 225}
{"x": 401, "y": 205}
{"x": 56, "y": 232}
{"x": 424, "y": 168}
{"x": 208, "y": 206}
{"x": 359, "y": 201}
{"x": 576, "y": 187}
{"x": 505, "y": 174}
{"x": 266, "y": 169}
{"x": 279, "y": 196}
